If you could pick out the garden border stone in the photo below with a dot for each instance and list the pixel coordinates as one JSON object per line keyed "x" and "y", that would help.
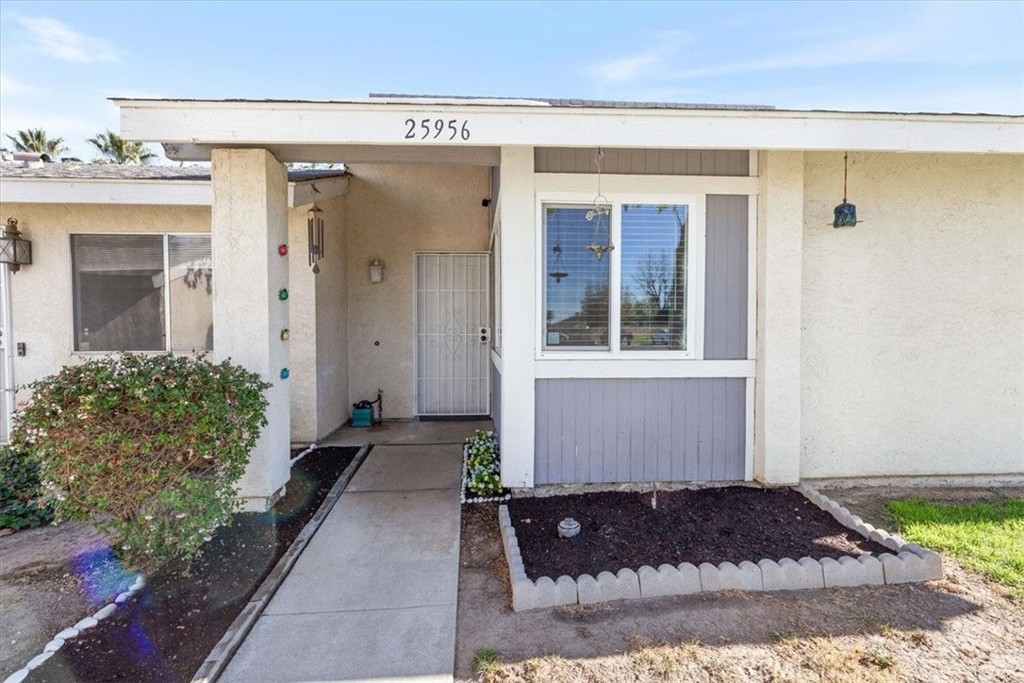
{"x": 59, "y": 640}
{"x": 908, "y": 563}
{"x": 228, "y": 645}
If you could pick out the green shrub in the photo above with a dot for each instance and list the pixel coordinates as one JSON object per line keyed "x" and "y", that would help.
{"x": 22, "y": 504}
{"x": 483, "y": 464}
{"x": 149, "y": 448}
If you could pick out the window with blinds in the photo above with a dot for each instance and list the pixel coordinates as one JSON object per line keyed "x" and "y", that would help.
{"x": 653, "y": 277}
{"x": 576, "y": 284}
{"x": 130, "y": 289}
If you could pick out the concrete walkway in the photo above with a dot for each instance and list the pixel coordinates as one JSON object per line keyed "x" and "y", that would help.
{"x": 373, "y": 596}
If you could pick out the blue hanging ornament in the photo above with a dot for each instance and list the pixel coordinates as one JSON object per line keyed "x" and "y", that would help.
{"x": 845, "y": 213}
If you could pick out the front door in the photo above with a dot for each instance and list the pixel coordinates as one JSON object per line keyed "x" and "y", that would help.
{"x": 452, "y": 335}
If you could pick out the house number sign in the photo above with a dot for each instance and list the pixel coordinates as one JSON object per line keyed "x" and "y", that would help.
{"x": 432, "y": 129}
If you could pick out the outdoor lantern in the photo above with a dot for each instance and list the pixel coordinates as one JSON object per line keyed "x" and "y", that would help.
{"x": 315, "y": 232}
{"x": 376, "y": 271}
{"x": 14, "y": 251}
{"x": 846, "y": 213}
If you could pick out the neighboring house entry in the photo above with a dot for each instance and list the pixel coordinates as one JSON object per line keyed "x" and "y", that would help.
{"x": 452, "y": 334}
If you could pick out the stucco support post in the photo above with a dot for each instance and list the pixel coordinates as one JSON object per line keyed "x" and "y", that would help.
{"x": 518, "y": 315}
{"x": 777, "y": 438}
{"x": 249, "y": 221}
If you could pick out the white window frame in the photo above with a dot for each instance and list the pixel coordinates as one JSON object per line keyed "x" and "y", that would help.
{"x": 165, "y": 238}
{"x": 695, "y": 249}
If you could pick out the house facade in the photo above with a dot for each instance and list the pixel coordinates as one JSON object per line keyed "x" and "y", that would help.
{"x": 634, "y": 292}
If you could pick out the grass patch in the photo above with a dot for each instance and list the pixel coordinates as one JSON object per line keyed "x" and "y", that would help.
{"x": 985, "y": 537}
{"x": 486, "y": 663}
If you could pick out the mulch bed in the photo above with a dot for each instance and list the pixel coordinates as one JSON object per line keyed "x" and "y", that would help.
{"x": 621, "y": 530}
{"x": 166, "y": 631}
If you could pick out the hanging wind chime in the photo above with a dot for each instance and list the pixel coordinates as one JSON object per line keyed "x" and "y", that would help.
{"x": 600, "y": 216}
{"x": 558, "y": 271}
{"x": 315, "y": 233}
{"x": 845, "y": 213}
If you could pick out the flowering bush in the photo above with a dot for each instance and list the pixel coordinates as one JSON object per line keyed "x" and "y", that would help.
{"x": 22, "y": 504}
{"x": 147, "y": 447}
{"x": 483, "y": 464}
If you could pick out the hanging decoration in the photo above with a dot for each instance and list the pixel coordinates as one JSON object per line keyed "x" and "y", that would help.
{"x": 285, "y": 374}
{"x": 283, "y": 295}
{"x": 558, "y": 271}
{"x": 315, "y": 233}
{"x": 282, "y": 250}
{"x": 600, "y": 216}
{"x": 286, "y": 334}
{"x": 845, "y": 213}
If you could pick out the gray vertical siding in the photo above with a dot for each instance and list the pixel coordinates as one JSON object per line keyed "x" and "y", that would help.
{"x": 726, "y": 278}
{"x": 720, "y": 162}
{"x": 496, "y": 398}
{"x": 623, "y": 430}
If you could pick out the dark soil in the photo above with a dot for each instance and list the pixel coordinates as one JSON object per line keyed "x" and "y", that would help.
{"x": 621, "y": 530}
{"x": 167, "y": 630}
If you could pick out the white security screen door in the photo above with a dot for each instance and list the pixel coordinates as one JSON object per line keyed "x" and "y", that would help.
{"x": 452, "y": 334}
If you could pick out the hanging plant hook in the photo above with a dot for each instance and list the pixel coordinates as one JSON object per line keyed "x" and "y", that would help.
{"x": 600, "y": 215}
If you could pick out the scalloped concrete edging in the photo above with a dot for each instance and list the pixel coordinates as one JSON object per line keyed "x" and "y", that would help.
{"x": 228, "y": 645}
{"x": 909, "y": 563}
{"x": 70, "y": 632}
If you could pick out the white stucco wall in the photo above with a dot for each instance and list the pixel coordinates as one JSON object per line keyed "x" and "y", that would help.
{"x": 332, "y": 365}
{"x": 319, "y": 349}
{"x": 913, "y": 321}
{"x": 393, "y": 212}
{"x": 41, "y": 293}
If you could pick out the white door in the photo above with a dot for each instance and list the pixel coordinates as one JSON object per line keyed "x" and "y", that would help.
{"x": 452, "y": 334}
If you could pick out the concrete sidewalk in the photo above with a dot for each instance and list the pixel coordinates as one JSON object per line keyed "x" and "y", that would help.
{"x": 373, "y": 596}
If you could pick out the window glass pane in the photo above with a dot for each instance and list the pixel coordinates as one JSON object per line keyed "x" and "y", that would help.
{"x": 118, "y": 292}
{"x": 654, "y": 265}
{"x": 191, "y": 284}
{"x": 575, "y": 281}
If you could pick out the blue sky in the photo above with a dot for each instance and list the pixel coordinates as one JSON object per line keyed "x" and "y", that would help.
{"x": 60, "y": 61}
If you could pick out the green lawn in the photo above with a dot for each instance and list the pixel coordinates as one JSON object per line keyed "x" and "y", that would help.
{"x": 985, "y": 537}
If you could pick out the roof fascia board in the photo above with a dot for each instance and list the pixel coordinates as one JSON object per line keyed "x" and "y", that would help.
{"x": 351, "y": 154}
{"x": 265, "y": 124}
{"x": 145, "y": 192}
{"x": 106, "y": 191}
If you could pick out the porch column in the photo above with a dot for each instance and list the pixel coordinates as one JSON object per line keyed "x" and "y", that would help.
{"x": 249, "y": 221}
{"x": 777, "y": 442}
{"x": 518, "y": 315}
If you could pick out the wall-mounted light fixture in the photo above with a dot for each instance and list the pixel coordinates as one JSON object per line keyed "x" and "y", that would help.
{"x": 14, "y": 251}
{"x": 845, "y": 215}
{"x": 376, "y": 271}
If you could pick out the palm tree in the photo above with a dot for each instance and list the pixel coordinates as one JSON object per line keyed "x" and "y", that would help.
{"x": 120, "y": 151}
{"x": 36, "y": 140}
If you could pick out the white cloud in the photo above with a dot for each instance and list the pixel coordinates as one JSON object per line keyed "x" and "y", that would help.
{"x": 57, "y": 40}
{"x": 644, "y": 64}
{"x": 10, "y": 86}
{"x": 933, "y": 33}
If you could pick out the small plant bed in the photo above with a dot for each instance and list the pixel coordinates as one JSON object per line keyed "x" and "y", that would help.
{"x": 481, "y": 469}
{"x": 165, "y": 632}
{"x": 714, "y": 525}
